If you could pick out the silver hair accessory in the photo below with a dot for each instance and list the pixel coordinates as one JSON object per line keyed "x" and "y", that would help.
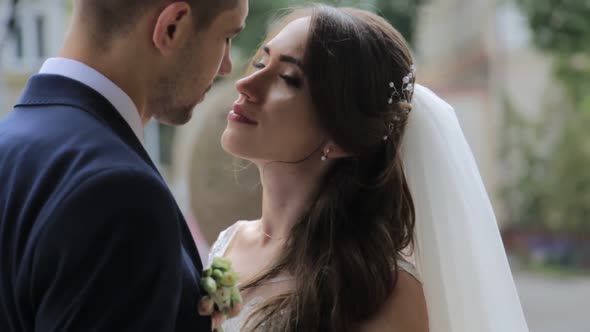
{"x": 407, "y": 87}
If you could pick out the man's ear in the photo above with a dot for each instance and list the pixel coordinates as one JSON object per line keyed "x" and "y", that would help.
{"x": 173, "y": 27}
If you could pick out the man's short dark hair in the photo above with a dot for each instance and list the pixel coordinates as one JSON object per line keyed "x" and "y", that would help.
{"x": 111, "y": 17}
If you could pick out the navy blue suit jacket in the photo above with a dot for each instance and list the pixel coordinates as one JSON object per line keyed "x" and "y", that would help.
{"x": 91, "y": 238}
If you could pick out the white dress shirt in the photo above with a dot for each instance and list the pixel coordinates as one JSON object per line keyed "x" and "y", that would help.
{"x": 97, "y": 81}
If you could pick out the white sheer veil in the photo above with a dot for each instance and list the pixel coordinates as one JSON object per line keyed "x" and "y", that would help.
{"x": 459, "y": 253}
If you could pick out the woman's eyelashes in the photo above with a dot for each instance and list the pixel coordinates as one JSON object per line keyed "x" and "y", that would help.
{"x": 291, "y": 80}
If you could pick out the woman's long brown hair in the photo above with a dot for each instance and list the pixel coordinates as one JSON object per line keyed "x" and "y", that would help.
{"x": 343, "y": 251}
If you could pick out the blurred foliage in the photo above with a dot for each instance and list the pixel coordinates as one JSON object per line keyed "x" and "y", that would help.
{"x": 551, "y": 188}
{"x": 559, "y": 25}
{"x": 519, "y": 152}
{"x": 400, "y": 13}
{"x": 562, "y": 28}
{"x": 568, "y": 198}
{"x": 548, "y": 185}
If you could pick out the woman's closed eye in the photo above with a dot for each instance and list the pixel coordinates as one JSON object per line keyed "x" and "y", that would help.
{"x": 291, "y": 80}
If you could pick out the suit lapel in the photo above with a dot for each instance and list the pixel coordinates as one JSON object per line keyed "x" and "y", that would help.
{"x": 44, "y": 89}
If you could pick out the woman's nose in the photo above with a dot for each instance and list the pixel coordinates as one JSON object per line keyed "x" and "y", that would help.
{"x": 251, "y": 87}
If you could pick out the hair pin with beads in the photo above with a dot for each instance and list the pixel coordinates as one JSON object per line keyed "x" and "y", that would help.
{"x": 407, "y": 87}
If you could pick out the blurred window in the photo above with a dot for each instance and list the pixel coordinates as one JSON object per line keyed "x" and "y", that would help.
{"x": 17, "y": 37}
{"x": 40, "y": 32}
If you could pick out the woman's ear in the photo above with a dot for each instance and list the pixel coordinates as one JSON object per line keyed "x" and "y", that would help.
{"x": 331, "y": 150}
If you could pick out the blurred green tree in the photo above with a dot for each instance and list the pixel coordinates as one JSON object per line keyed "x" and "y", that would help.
{"x": 568, "y": 182}
{"x": 554, "y": 185}
{"x": 562, "y": 28}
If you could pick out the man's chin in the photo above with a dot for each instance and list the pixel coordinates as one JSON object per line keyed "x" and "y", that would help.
{"x": 176, "y": 117}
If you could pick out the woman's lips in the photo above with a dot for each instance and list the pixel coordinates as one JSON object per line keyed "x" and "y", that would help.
{"x": 238, "y": 115}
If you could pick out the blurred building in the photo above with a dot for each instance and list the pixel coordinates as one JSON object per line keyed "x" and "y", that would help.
{"x": 38, "y": 33}
{"x": 477, "y": 54}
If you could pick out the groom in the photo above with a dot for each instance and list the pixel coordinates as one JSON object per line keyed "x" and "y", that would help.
{"x": 91, "y": 238}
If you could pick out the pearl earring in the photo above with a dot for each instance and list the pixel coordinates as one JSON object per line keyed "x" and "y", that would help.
{"x": 325, "y": 155}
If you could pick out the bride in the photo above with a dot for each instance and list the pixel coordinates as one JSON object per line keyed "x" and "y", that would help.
{"x": 374, "y": 215}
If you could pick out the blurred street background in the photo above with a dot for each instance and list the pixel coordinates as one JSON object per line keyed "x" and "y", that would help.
{"x": 517, "y": 73}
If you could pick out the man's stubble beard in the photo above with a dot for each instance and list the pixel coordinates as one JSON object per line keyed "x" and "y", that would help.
{"x": 167, "y": 104}
{"x": 175, "y": 115}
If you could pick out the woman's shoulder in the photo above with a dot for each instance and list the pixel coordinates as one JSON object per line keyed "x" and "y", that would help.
{"x": 409, "y": 267}
{"x": 406, "y": 306}
{"x": 225, "y": 237}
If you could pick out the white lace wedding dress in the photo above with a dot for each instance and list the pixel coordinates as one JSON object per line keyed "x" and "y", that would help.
{"x": 220, "y": 247}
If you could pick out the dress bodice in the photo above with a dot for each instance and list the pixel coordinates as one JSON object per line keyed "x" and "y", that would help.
{"x": 219, "y": 248}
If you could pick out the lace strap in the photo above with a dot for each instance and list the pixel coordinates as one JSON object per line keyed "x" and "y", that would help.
{"x": 409, "y": 268}
{"x": 223, "y": 240}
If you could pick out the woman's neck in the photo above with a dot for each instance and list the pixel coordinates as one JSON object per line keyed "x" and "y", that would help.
{"x": 287, "y": 192}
